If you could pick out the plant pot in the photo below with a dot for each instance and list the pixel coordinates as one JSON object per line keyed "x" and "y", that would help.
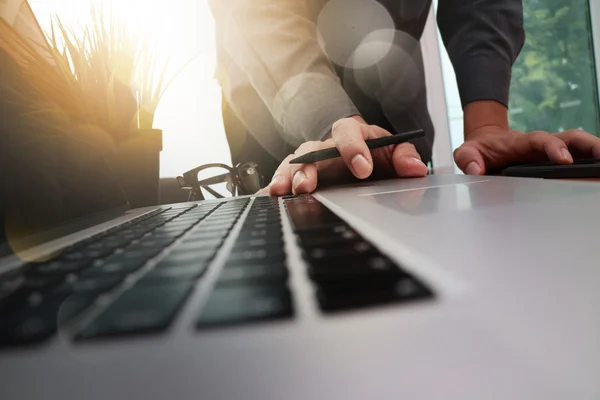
{"x": 137, "y": 164}
{"x": 49, "y": 179}
{"x": 50, "y": 172}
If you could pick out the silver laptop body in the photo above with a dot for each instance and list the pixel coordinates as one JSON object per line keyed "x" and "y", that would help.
{"x": 497, "y": 297}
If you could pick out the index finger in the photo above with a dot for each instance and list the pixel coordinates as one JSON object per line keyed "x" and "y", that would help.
{"x": 349, "y": 137}
{"x": 585, "y": 143}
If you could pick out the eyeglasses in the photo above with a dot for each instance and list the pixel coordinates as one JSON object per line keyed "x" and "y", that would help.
{"x": 241, "y": 179}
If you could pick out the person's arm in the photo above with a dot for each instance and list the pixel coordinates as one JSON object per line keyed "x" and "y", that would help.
{"x": 483, "y": 39}
{"x": 276, "y": 45}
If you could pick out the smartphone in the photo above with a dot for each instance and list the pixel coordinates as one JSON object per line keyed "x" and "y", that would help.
{"x": 582, "y": 168}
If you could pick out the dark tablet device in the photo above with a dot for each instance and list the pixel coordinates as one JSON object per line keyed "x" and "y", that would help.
{"x": 584, "y": 168}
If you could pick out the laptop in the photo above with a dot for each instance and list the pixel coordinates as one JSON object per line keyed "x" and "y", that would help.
{"x": 449, "y": 286}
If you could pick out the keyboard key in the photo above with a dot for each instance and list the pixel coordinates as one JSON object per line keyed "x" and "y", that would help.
{"x": 346, "y": 250}
{"x": 122, "y": 263}
{"x": 231, "y": 306}
{"x": 186, "y": 257}
{"x": 253, "y": 274}
{"x": 38, "y": 283}
{"x": 164, "y": 272}
{"x": 95, "y": 254}
{"x": 259, "y": 226}
{"x": 191, "y": 244}
{"x": 178, "y": 224}
{"x": 167, "y": 237}
{"x": 77, "y": 256}
{"x": 169, "y": 232}
{"x": 55, "y": 268}
{"x": 260, "y": 234}
{"x": 258, "y": 243}
{"x": 13, "y": 291}
{"x": 364, "y": 270}
{"x": 260, "y": 255}
{"x": 207, "y": 234}
{"x": 217, "y": 221}
{"x": 173, "y": 231}
{"x": 273, "y": 226}
{"x": 30, "y": 325}
{"x": 175, "y": 262}
{"x": 340, "y": 299}
{"x": 326, "y": 237}
{"x": 152, "y": 242}
{"x": 307, "y": 213}
{"x": 142, "y": 309}
{"x": 135, "y": 252}
{"x": 263, "y": 220}
{"x": 89, "y": 285}
{"x": 124, "y": 238}
{"x": 141, "y": 250}
{"x": 108, "y": 245}
{"x": 223, "y": 216}
{"x": 11, "y": 282}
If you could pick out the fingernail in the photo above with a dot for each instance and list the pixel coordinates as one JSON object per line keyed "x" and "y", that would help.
{"x": 299, "y": 177}
{"x": 416, "y": 161}
{"x": 473, "y": 169}
{"x": 361, "y": 166}
{"x": 277, "y": 179}
{"x": 566, "y": 156}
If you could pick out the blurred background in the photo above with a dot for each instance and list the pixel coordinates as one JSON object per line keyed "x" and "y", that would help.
{"x": 190, "y": 112}
{"x": 554, "y": 81}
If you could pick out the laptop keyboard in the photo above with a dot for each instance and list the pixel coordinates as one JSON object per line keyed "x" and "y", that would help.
{"x": 252, "y": 285}
{"x": 347, "y": 270}
{"x": 135, "y": 278}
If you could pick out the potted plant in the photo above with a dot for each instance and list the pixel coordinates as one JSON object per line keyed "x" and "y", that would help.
{"x": 118, "y": 74}
{"x": 104, "y": 82}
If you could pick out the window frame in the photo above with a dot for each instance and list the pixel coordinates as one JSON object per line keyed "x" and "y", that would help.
{"x": 442, "y": 159}
{"x": 595, "y": 25}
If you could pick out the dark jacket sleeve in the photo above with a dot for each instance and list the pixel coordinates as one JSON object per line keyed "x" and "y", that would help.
{"x": 275, "y": 45}
{"x": 483, "y": 39}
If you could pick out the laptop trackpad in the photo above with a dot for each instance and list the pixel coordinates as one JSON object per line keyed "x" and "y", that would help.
{"x": 474, "y": 195}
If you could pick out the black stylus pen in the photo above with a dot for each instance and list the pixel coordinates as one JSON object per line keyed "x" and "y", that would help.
{"x": 326, "y": 154}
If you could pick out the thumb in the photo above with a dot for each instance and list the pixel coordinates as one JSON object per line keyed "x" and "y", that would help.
{"x": 469, "y": 159}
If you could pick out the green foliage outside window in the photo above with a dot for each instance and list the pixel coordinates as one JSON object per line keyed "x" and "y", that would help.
{"x": 554, "y": 82}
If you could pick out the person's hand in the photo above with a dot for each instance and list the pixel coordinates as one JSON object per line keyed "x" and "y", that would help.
{"x": 348, "y": 135}
{"x": 492, "y": 148}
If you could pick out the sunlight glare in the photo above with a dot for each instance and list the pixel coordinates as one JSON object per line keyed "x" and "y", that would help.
{"x": 190, "y": 112}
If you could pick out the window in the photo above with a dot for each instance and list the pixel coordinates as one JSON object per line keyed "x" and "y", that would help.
{"x": 554, "y": 82}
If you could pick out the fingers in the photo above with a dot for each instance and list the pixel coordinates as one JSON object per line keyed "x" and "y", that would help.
{"x": 305, "y": 176}
{"x": 349, "y": 137}
{"x": 500, "y": 149}
{"x": 296, "y": 178}
{"x": 469, "y": 159}
{"x": 583, "y": 142}
{"x": 304, "y": 179}
{"x": 551, "y": 145}
{"x": 407, "y": 161}
{"x": 281, "y": 184}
